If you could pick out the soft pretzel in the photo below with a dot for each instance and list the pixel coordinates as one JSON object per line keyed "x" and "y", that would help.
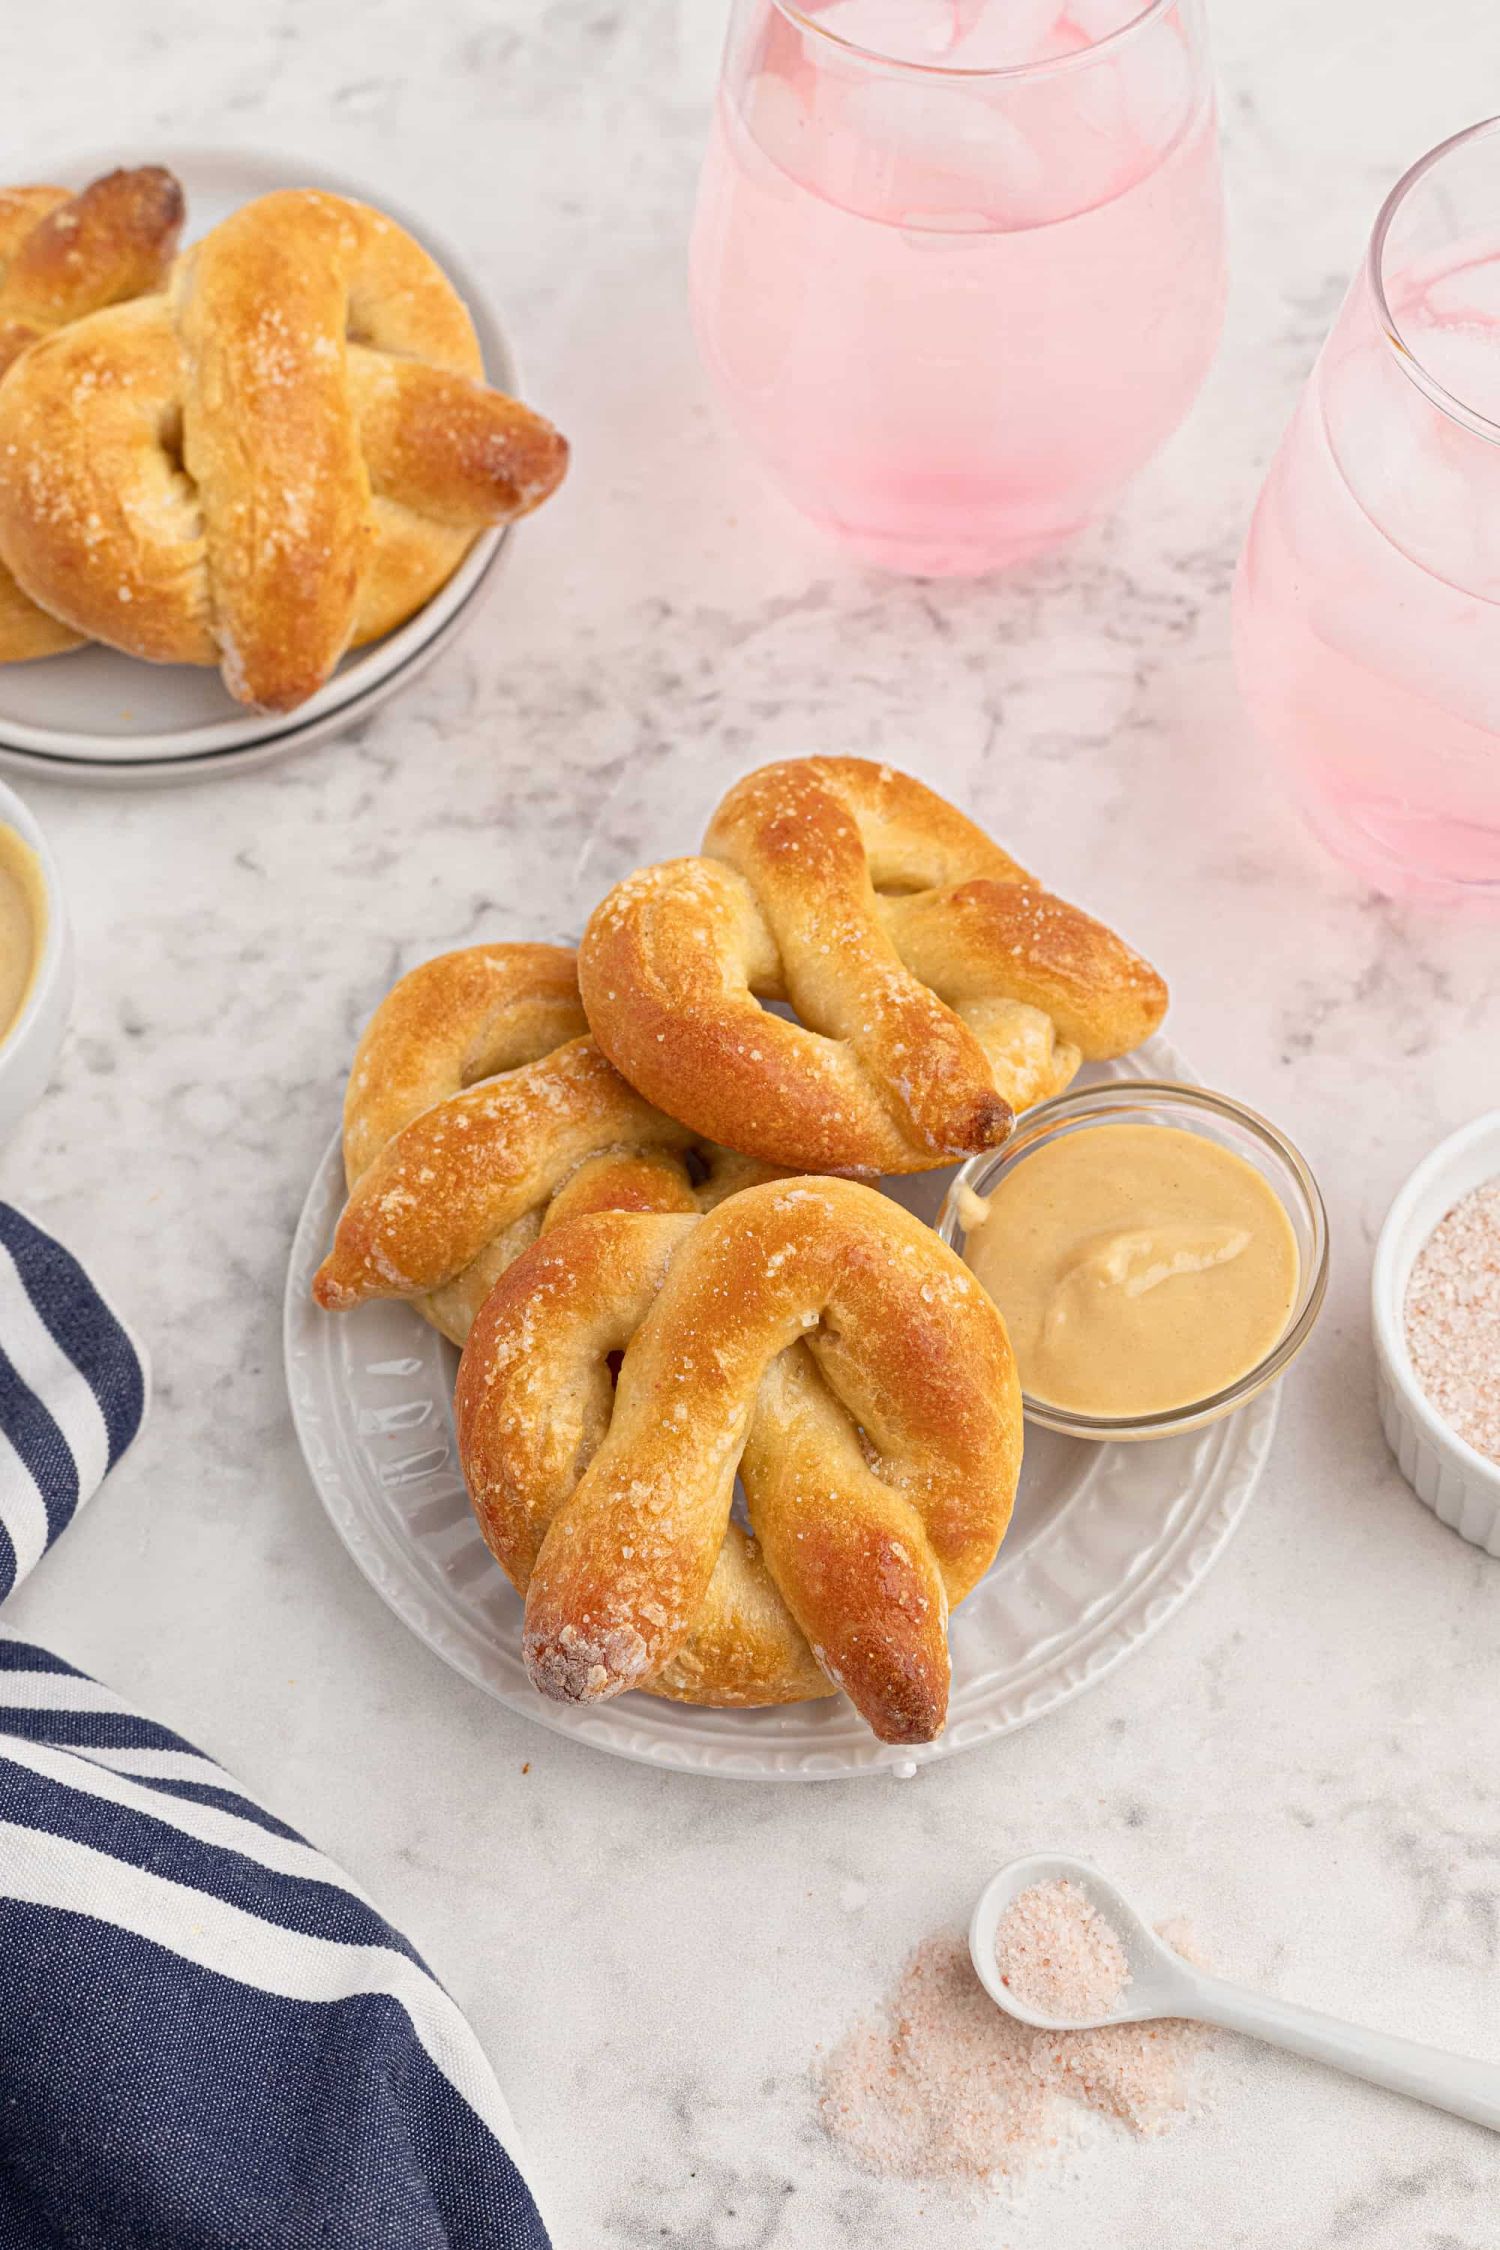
{"x": 811, "y": 1335}
{"x": 939, "y": 987}
{"x": 478, "y": 1113}
{"x": 61, "y": 256}
{"x": 283, "y": 455}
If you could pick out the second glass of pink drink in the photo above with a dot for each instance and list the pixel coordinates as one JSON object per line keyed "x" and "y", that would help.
{"x": 1367, "y": 609}
{"x": 958, "y": 266}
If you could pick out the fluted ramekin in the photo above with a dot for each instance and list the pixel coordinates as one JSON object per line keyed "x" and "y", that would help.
{"x": 1458, "y": 1483}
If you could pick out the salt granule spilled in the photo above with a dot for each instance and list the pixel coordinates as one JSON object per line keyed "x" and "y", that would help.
{"x": 1453, "y": 1318}
{"x": 943, "y": 2085}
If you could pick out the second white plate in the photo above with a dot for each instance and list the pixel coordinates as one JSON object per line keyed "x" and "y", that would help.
{"x": 209, "y": 765}
{"x": 1107, "y": 1542}
{"x": 99, "y": 708}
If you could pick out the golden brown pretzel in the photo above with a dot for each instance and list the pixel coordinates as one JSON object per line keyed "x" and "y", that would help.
{"x": 283, "y": 455}
{"x": 939, "y": 987}
{"x": 61, "y": 256}
{"x": 810, "y": 1334}
{"x": 64, "y": 255}
{"x": 479, "y": 1112}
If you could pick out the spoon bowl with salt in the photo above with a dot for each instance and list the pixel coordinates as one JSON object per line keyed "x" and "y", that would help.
{"x": 1061, "y": 1948}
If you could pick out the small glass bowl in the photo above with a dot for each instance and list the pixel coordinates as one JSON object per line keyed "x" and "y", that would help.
{"x": 1195, "y": 1110}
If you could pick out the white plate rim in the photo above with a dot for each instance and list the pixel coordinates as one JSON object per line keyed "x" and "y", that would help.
{"x": 266, "y": 170}
{"x": 212, "y": 765}
{"x": 1238, "y": 1448}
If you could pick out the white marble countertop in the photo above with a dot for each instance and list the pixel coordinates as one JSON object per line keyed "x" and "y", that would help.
{"x": 1304, "y": 1760}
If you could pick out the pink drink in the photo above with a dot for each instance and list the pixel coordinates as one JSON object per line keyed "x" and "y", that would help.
{"x": 956, "y": 290}
{"x": 1367, "y": 624}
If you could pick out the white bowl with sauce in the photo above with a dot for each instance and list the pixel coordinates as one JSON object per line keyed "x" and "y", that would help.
{"x": 36, "y": 990}
{"x": 1233, "y": 1129}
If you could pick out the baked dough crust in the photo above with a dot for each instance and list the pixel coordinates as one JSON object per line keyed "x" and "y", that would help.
{"x": 281, "y": 456}
{"x": 939, "y": 987}
{"x": 811, "y": 1335}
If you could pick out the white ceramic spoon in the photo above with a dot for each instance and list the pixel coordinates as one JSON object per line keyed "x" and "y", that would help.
{"x": 1163, "y": 1984}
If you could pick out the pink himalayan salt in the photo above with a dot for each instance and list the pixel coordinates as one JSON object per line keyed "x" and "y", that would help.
{"x": 944, "y": 2086}
{"x": 1453, "y": 1318}
{"x": 1057, "y": 1953}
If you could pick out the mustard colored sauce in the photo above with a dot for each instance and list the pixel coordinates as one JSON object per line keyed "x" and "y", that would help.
{"x": 1140, "y": 1268}
{"x": 23, "y": 919}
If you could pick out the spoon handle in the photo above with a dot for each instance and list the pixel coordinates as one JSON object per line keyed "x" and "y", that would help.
{"x": 1457, "y": 2083}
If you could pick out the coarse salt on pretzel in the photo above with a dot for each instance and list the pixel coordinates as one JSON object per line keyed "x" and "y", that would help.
{"x": 939, "y": 988}
{"x": 478, "y": 1113}
{"x": 809, "y": 1334}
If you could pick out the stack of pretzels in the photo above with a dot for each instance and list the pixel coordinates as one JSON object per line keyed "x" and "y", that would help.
{"x": 634, "y": 1195}
{"x": 257, "y": 455}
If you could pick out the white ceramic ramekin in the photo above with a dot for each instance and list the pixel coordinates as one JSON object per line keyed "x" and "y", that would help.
{"x": 1457, "y": 1483}
{"x": 28, "y": 1052}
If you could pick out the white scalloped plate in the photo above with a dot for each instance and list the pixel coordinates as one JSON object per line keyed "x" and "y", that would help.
{"x": 1107, "y": 1542}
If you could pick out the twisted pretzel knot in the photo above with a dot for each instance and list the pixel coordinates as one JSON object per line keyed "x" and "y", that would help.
{"x": 939, "y": 987}
{"x": 479, "y": 1113}
{"x": 815, "y": 1337}
{"x": 61, "y": 256}
{"x": 283, "y": 455}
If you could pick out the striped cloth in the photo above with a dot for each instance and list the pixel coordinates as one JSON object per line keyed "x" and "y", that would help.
{"x": 209, "y": 2039}
{"x": 72, "y": 1392}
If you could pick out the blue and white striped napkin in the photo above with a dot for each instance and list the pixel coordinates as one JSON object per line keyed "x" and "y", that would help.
{"x": 209, "y": 2040}
{"x": 72, "y": 1392}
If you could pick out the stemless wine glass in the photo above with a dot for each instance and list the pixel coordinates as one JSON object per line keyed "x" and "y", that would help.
{"x": 958, "y": 266}
{"x": 1367, "y": 607}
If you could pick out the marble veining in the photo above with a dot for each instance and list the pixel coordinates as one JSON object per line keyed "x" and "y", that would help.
{"x": 1304, "y": 1761}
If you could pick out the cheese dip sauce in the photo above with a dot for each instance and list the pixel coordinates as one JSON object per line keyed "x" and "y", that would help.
{"x": 23, "y": 922}
{"x": 1140, "y": 1268}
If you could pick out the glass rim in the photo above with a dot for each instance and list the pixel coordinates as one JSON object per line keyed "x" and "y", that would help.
{"x": 1077, "y": 1105}
{"x": 1447, "y": 402}
{"x": 1146, "y": 13}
